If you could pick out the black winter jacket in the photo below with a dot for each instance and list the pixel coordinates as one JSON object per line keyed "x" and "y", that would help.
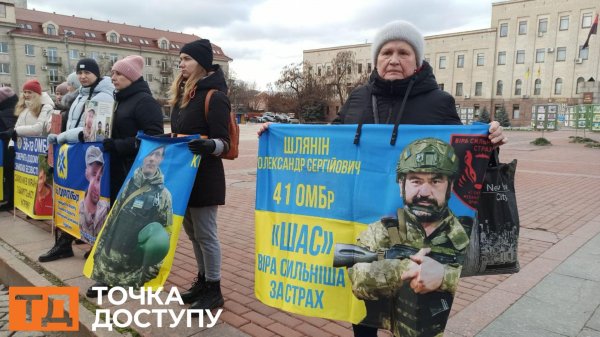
{"x": 7, "y": 113}
{"x": 135, "y": 110}
{"x": 209, "y": 186}
{"x": 426, "y": 103}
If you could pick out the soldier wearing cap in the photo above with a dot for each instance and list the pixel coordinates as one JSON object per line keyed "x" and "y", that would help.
{"x": 136, "y": 235}
{"x": 418, "y": 291}
{"x": 93, "y": 209}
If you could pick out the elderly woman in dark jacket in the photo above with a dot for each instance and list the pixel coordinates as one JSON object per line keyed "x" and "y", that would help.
{"x": 189, "y": 91}
{"x": 402, "y": 90}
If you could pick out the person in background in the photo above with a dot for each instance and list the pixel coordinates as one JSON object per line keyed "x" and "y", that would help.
{"x": 188, "y": 93}
{"x": 93, "y": 88}
{"x": 32, "y": 111}
{"x": 67, "y": 99}
{"x": 8, "y": 101}
{"x": 59, "y": 92}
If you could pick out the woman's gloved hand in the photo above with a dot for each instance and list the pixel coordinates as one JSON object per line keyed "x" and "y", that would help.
{"x": 202, "y": 146}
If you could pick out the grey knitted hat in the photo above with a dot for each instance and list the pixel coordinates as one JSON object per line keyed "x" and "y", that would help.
{"x": 399, "y": 30}
{"x": 73, "y": 81}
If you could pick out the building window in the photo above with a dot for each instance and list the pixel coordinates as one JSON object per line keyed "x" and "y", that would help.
{"x": 460, "y": 61}
{"x": 579, "y": 86}
{"x": 164, "y": 44}
{"x": 503, "y": 29}
{"x": 349, "y": 69}
{"x": 319, "y": 71}
{"x": 113, "y": 58}
{"x": 543, "y": 26}
{"x": 540, "y": 55}
{"x": 30, "y": 69}
{"x": 149, "y": 78}
{"x": 499, "y": 88}
{"x": 586, "y": 20}
{"x": 164, "y": 80}
{"x": 74, "y": 54}
{"x": 369, "y": 68}
{"x": 476, "y": 109}
{"x": 51, "y": 30}
{"x": 501, "y": 58}
{"x": 459, "y": 89}
{"x": 516, "y": 113}
{"x": 95, "y": 55}
{"x": 480, "y": 59}
{"x": 558, "y": 84}
{"x": 478, "y": 88}
{"x": 52, "y": 54}
{"x": 564, "y": 23}
{"x": 522, "y": 27}
{"x": 442, "y": 62}
{"x": 3, "y": 47}
{"x": 113, "y": 38}
{"x": 359, "y": 68}
{"x": 520, "y": 59}
{"x": 53, "y": 75}
{"x": 441, "y": 85}
{"x": 561, "y": 54}
{"x": 2, "y": 11}
{"x": 148, "y": 61}
{"x": 29, "y": 50}
{"x": 4, "y": 68}
{"x": 583, "y": 53}
{"x": 537, "y": 89}
{"x": 518, "y": 84}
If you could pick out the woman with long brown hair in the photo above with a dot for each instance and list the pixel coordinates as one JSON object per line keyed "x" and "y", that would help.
{"x": 188, "y": 94}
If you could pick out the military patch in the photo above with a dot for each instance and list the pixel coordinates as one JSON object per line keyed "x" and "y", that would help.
{"x": 474, "y": 154}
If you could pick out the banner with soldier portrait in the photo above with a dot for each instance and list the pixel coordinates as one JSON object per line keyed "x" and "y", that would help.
{"x": 369, "y": 233}
{"x": 136, "y": 245}
{"x": 81, "y": 189}
{"x": 33, "y": 178}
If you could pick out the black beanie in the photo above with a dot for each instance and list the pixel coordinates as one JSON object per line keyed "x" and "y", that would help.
{"x": 201, "y": 51}
{"x": 89, "y": 65}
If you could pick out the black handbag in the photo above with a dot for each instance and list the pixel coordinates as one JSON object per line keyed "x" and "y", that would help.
{"x": 495, "y": 233}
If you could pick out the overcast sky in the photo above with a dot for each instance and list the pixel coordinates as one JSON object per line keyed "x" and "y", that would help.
{"x": 262, "y": 36}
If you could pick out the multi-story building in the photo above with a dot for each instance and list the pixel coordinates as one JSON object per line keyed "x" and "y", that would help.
{"x": 47, "y": 46}
{"x": 532, "y": 54}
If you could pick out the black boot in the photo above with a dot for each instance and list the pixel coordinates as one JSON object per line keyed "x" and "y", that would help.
{"x": 62, "y": 249}
{"x": 93, "y": 293}
{"x": 194, "y": 292}
{"x": 211, "y": 298}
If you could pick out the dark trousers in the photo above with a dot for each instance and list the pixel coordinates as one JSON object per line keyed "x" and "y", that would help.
{"x": 364, "y": 331}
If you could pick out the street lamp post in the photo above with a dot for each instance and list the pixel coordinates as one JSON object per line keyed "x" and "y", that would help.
{"x": 68, "y": 34}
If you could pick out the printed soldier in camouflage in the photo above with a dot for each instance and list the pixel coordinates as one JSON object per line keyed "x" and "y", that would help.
{"x": 135, "y": 238}
{"x": 412, "y": 297}
{"x": 93, "y": 209}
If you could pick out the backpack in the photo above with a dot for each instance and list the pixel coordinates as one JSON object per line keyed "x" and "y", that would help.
{"x": 233, "y": 129}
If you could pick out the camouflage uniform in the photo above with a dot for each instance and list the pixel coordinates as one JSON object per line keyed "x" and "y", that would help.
{"x": 90, "y": 223}
{"x": 391, "y": 303}
{"x": 119, "y": 259}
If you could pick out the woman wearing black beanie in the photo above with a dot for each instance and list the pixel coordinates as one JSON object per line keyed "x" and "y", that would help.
{"x": 198, "y": 76}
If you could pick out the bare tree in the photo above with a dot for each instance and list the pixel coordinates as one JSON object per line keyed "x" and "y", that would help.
{"x": 341, "y": 75}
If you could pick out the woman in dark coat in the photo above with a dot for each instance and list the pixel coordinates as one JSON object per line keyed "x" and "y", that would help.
{"x": 8, "y": 101}
{"x": 189, "y": 91}
{"x": 135, "y": 110}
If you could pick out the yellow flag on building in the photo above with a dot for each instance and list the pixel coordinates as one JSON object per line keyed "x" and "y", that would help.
{"x": 527, "y": 73}
{"x": 539, "y": 71}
